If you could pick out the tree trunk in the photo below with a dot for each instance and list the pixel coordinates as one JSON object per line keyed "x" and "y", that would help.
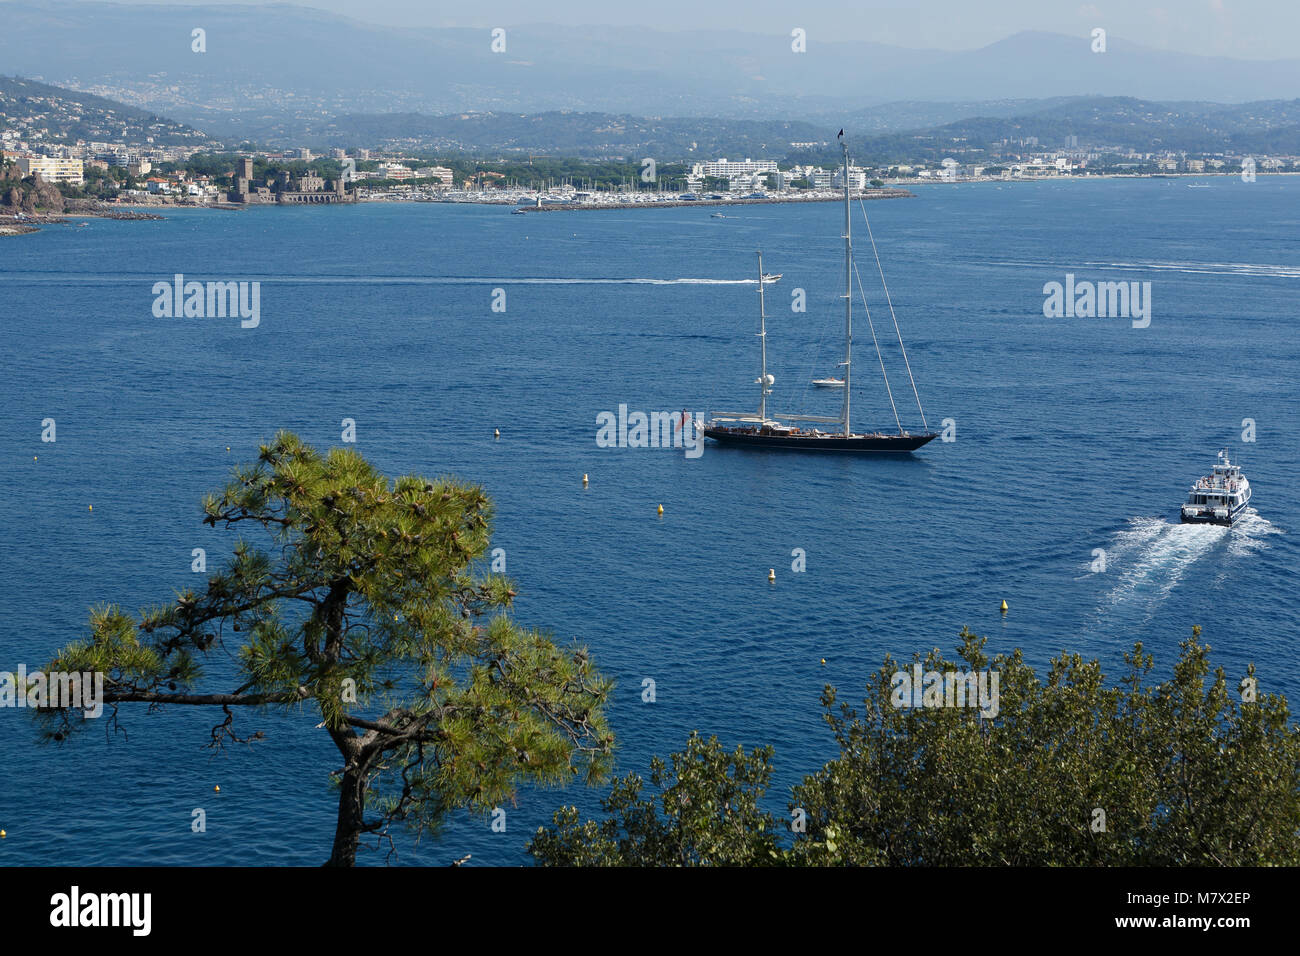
{"x": 352, "y": 789}
{"x": 352, "y": 806}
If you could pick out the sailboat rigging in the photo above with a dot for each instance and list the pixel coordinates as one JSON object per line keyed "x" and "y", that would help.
{"x": 760, "y": 431}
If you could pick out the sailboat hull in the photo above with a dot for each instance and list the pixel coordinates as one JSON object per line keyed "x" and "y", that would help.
{"x": 858, "y": 444}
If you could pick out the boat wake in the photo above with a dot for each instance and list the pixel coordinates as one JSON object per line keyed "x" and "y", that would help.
{"x": 288, "y": 279}
{"x": 515, "y": 280}
{"x": 1250, "y": 534}
{"x": 1151, "y": 556}
{"x": 1260, "y": 269}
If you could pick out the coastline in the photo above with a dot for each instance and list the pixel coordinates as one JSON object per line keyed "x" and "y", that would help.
{"x": 21, "y": 224}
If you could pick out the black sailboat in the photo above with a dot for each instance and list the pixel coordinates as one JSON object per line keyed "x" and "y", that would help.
{"x": 759, "y": 431}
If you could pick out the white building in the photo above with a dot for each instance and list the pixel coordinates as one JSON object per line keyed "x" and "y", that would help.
{"x": 857, "y": 178}
{"x": 725, "y": 169}
{"x": 395, "y": 171}
{"x": 53, "y": 169}
{"x": 441, "y": 173}
{"x": 748, "y": 183}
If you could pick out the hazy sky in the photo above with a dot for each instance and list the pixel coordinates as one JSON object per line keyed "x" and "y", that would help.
{"x": 1251, "y": 29}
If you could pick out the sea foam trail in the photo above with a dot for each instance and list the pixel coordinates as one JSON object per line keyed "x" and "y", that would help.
{"x": 1253, "y": 269}
{"x": 1206, "y": 268}
{"x": 1250, "y": 534}
{"x": 392, "y": 280}
{"x": 1151, "y": 555}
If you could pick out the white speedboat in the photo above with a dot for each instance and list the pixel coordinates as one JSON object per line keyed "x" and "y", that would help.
{"x": 1220, "y": 497}
{"x": 831, "y": 382}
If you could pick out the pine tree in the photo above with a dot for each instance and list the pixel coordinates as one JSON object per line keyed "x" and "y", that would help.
{"x": 368, "y": 607}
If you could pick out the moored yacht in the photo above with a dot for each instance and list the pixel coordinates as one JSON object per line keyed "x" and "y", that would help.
{"x": 758, "y": 430}
{"x": 1220, "y": 497}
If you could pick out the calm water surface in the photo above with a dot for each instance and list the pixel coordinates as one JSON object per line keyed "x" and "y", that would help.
{"x": 1072, "y": 435}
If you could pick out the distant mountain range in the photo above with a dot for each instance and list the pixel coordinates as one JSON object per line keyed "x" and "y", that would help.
{"x": 282, "y": 75}
{"x": 1264, "y": 127}
{"x": 268, "y": 67}
{"x": 1267, "y": 126}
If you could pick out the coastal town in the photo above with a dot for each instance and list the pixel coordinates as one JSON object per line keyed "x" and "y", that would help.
{"x": 166, "y": 176}
{"x": 60, "y": 154}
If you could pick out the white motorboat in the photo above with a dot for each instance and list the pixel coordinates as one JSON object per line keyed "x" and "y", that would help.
{"x": 1220, "y": 497}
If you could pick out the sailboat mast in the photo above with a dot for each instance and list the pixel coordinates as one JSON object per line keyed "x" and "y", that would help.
{"x": 762, "y": 338}
{"x": 848, "y": 291}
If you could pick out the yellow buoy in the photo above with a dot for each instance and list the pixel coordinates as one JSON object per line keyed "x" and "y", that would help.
{"x": 771, "y": 574}
{"x": 216, "y": 789}
{"x": 33, "y": 458}
{"x": 823, "y": 662}
{"x": 1004, "y": 607}
{"x": 90, "y": 507}
{"x": 496, "y": 433}
{"x": 3, "y": 834}
{"x": 227, "y": 448}
{"x": 661, "y": 509}
{"x": 584, "y": 478}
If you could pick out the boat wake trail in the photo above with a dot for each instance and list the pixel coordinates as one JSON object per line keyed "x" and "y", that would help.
{"x": 1151, "y": 556}
{"x": 519, "y": 280}
{"x": 516, "y": 280}
{"x": 288, "y": 279}
{"x": 556, "y": 280}
{"x": 1255, "y": 269}
{"x": 1261, "y": 269}
{"x": 1250, "y": 534}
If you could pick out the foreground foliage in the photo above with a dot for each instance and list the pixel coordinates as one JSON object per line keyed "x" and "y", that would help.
{"x": 1191, "y": 770}
{"x": 705, "y": 813}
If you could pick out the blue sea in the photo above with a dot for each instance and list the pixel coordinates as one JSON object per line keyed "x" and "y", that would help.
{"x": 1071, "y": 435}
